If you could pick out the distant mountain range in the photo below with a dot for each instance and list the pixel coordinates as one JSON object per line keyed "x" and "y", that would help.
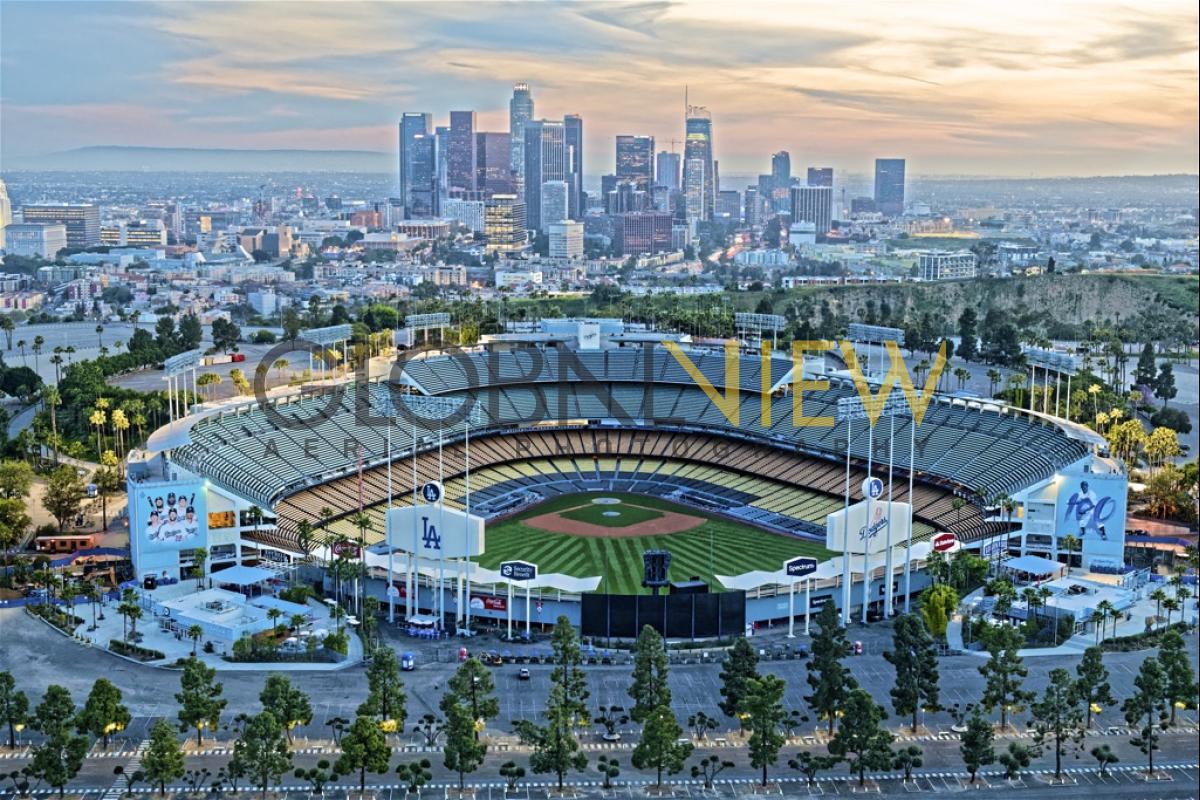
{"x": 189, "y": 159}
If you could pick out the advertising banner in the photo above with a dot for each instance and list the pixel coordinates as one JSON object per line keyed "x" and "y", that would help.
{"x": 1092, "y": 508}
{"x": 489, "y": 603}
{"x": 864, "y": 533}
{"x": 435, "y": 533}
{"x": 170, "y": 515}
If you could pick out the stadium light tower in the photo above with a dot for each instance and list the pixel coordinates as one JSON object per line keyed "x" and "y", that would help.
{"x": 850, "y": 409}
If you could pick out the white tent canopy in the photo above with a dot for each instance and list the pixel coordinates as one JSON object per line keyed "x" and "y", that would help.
{"x": 549, "y": 580}
{"x": 242, "y": 575}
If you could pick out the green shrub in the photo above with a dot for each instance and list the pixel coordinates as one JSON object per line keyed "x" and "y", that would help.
{"x": 135, "y": 651}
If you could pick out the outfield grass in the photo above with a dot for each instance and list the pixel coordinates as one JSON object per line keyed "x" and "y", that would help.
{"x": 626, "y": 514}
{"x": 733, "y": 547}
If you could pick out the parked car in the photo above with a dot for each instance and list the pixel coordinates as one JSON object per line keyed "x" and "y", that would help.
{"x": 857, "y": 648}
{"x": 408, "y": 662}
{"x": 523, "y": 674}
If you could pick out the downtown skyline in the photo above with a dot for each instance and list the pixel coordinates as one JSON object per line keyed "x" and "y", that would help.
{"x": 1045, "y": 91}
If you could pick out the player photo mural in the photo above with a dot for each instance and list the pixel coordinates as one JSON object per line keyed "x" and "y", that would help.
{"x": 1092, "y": 508}
{"x": 170, "y": 516}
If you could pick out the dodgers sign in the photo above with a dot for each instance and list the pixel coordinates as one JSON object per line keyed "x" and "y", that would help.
{"x": 435, "y": 532}
{"x": 867, "y": 535}
{"x": 800, "y": 567}
{"x": 518, "y": 570}
{"x": 431, "y": 492}
{"x": 872, "y": 487}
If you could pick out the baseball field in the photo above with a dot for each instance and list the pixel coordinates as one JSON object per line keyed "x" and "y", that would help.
{"x": 576, "y": 535}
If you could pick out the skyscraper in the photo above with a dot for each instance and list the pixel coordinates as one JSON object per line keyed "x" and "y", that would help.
{"x": 493, "y": 163}
{"x": 412, "y": 124}
{"x": 460, "y": 155}
{"x": 82, "y": 220}
{"x": 667, "y": 170}
{"x": 820, "y": 176}
{"x": 520, "y": 111}
{"x": 889, "y": 186}
{"x": 545, "y": 160}
{"x": 553, "y": 205}
{"x": 635, "y": 160}
{"x": 813, "y": 204}
{"x": 5, "y": 210}
{"x": 698, "y": 174}
{"x": 781, "y": 167}
{"x": 421, "y": 173}
{"x": 573, "y": 125}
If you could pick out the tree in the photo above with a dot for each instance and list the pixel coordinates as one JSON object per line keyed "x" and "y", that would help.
{"x": 199, "y": 698}
{"x": 1057, "y": 717}
{"x": 976, "y": 747}
{"x": 937, "y": 606}
{"x": 225, "y": 334}
{"x": 829, "y": 678}
{"x": 907, "y": 759}
{"x": 14, "y": 706}
{"x": 649, "y": 690}
{"x": 108, "y": 483}
{"x": 761, "y": 714}
{"x": 59, "y": 756}
{"x": 810, "y": 764}
{"x": 608, "y": 768}
{"x": 14, "y": 522}
{"x": 364, "y": 747}
{"x": 264, "y": 749}
{"x": 555, "y": 748}
{"x": 103, "y": 713}
{"x": 512, "y": 775}
{"x": 1091, "y": 683}
{"x": 287, "y": 703}
{"x": 416, "y": 774}
{"x": 1104, "y": 756}
{"x": 1147, "y": 709}
{"x": 318, "y": 776}
{"x": 385, "y": 691}
{"x": 1016, "y": 757}
{"x": 64, "y": 495}
{"x": 1145, "y": 371}
{"x": 16, "y": 478}
{"x": 709, "y": 768}
{"x": 473, "y": 685}
{"x": 1181, "y": 678}
{"x": 195, "y": 633}
{"x": 968, "y": 346}
{"x": 861, "y": 738}
{"x": 462, "y": 751}
{"x": 1004, "y": 673}
{"x": 1164, "y": 384}
{"x": 568, "y": 671}
{"x": 659, "y": 748}
{"x": 163, "y": 760}
{"x": 914, "y": 656}
{"x": 701, "y": 724}
{"x": 739, "y": 666}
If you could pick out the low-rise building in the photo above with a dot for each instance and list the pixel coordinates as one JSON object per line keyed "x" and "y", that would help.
{"x": 940, "y": 265}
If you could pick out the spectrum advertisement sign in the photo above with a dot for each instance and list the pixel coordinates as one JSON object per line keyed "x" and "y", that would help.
{"x": 1091, "y": 507}
{"x": 170, "y": 515}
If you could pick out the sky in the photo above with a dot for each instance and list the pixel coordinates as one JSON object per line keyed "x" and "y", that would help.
{"x": 1022, "y": 88}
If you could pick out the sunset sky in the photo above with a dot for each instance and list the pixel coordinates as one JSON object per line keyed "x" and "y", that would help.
{"x": 982, "y": 88}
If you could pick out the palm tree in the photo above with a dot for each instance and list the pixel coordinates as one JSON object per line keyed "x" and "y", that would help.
{"x": 280, "y": 365}
{"x": 1158, "y": 596}
{"x": 8, "y": 326}
{"x": 994, "y": 377}
{"x": 1106, "y": 608}
{"x": 1016, "y": 381}
{"x": 1171, "y": 604}
{"x": 99, "y": 336}
{"x": 195, "y": 633}
{"x": 274, "y": 614}
{"x": 1097, "y": 619}
{"x": 38, "y": 341}
{"x": 21, "y": 347}
{"x": 362, "y": 521}
{"x": 52, "y": 400}
{"x": 1071, "y": 544}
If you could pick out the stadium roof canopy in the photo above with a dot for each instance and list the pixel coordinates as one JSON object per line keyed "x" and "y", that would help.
{"x": 826, "y": 570}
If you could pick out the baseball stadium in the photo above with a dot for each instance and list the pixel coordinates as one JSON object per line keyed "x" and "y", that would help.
{"x": 581, "y": 448}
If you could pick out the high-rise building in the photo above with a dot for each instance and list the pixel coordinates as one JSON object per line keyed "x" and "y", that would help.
{"x": 412, "y": 124}
{"x": 643, "y": 232}
{"x": 635, "y": 160}
{"x": 36, "y": 239}
{"x": 460, "y": 153}
{"x": 566, "y": 239}
{"x": 820, "y": 176}
{"x": 82, "y": 221}
{"x": 752, "y": 203}
{"x": 520, "y": 111}
{"x": 699, "y": 177}
{"x": 889, "y": 186}
{"x": 421, "y": 174}
{"x": 667, "y": 170}
{"x": 504, "y": 225}
{"x": 862, "y": 205}
{"x": 813, "y": 204}
{"x": 493, "y": 163}
{"x": 545, "y": 160}
{"x": 781, "y": 167}
{"x": 5, "y": 211}
{"x": 468, "y": 212}
{"x": 729, "y": 204}
{"x": 554, "y": 205}
{"x": 573, "y": 128}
